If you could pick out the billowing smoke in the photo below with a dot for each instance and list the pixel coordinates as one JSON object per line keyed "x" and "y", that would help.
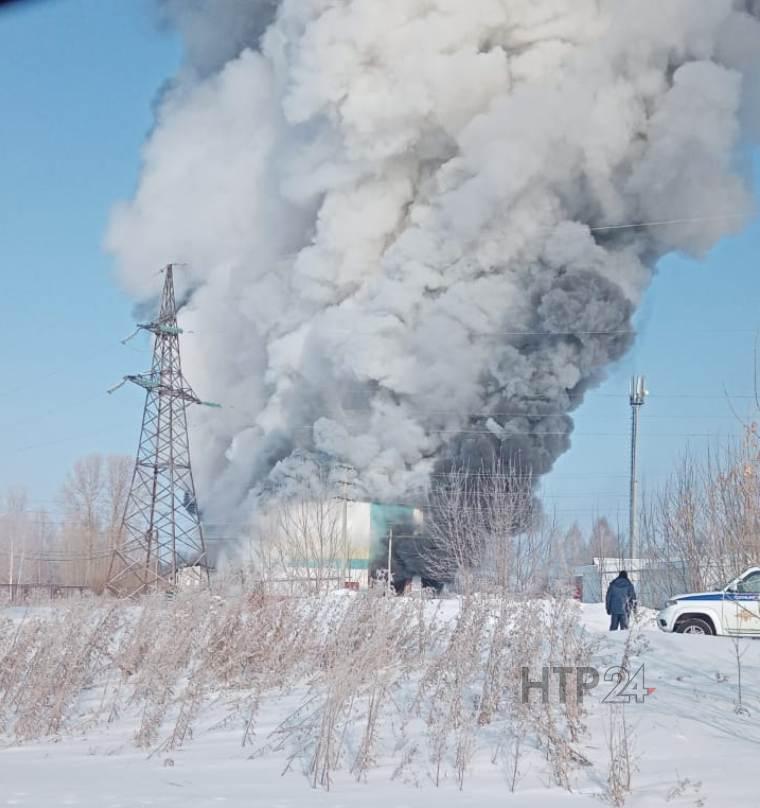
{"x": 398, "y": 218}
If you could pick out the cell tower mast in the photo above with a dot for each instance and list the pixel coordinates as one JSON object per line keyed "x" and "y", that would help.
{"x": 637, "y": 397}
{"x": 161, "y": 537}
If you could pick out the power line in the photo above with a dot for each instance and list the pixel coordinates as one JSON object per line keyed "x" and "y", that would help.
{"x": 52, "y": 411}
{"x": 58, "y": 441}
{"x": 63, "y": 368}
{"x": 509, "y": 433}
{"x": 58, "y": 558}
{"x": 527, "y": 476}
{"x": 522, "y": 414}
{"x": 666, "y": 222}
{"x": 503, "y": 414}
{"x": 580, "y": 397}
{"x": 624, "y": 332}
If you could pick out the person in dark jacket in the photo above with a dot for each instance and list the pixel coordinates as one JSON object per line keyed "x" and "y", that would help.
{"x": 621, "y": 601}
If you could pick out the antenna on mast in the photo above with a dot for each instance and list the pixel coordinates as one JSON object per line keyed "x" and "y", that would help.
{"x": 638, "y": 394}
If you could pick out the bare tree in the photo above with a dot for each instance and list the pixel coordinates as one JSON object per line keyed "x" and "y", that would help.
{"x": 26, "y": 537}
{"x": 118, "y": 474}
{"x": 299, "y": 539}
{"x": 703, "y": 526}
{"x": 43, "y": 533}
{"x": 93, "y": 497}
{"x": 15, "y": 535}
{"x": 82, "y": 490}
{"x": 486, "y": 530}
{"x": 604, "y": 542}
{"x": 570, "y": 550}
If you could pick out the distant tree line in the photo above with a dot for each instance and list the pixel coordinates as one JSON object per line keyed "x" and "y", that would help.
{"x": 72, "y": 548}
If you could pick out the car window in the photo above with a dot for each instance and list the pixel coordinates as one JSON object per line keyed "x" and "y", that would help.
{"x": 750, "y": 584}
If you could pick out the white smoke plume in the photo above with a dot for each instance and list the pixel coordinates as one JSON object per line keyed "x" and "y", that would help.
{"x": 390, "y": 212}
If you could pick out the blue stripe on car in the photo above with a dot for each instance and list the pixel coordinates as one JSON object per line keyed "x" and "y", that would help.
{"x": 721, "y": 596}
{"x": 702, "y": 597}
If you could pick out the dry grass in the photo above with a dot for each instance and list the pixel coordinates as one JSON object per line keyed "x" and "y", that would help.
{"x": 411, "y": 683}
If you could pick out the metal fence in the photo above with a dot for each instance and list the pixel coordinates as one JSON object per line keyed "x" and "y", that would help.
{"x": 30, "y": 593}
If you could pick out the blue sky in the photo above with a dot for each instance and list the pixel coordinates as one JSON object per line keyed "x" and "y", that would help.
{"x": 697, "y": 333}
{"x": 79, "y": 78}
{"x": 78, "y": 81}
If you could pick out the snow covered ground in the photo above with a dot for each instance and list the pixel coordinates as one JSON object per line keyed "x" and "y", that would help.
{"x": 691, "y": 748}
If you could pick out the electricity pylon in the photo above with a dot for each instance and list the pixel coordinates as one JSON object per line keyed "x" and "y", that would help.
{"x": 161, "y": 544}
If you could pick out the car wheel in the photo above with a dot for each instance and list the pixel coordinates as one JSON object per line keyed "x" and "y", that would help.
{"x": 694, "y": 625}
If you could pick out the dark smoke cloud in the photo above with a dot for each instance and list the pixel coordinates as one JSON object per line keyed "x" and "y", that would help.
{"x": 391, "y": 213}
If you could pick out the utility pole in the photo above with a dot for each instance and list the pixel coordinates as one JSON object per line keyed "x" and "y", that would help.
{"x": 10, "y": 573}
{"x": 161, "y": 536}
{"x": 344, "y": 499}
{"x": 344, "y": 532}
{"x": 638, "y": 394}
{"x": 390, "y": 558}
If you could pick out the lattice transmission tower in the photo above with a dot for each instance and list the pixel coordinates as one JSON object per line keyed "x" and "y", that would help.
{"x": 161, "y": 545}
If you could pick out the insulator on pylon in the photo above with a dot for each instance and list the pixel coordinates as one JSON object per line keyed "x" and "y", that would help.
{"x": 161, "y": 546}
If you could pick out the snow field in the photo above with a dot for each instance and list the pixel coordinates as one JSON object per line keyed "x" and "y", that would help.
{"x": 353, "y": 700}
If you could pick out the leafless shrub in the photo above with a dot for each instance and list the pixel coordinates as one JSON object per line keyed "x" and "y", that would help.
{"x": 48, "y": 664}
{"x": 447, "y": 689}
{"x": 381, "y": 679}
{"x": 740, "y": 649}
{"x": 299, "y": 543}
{"x": 620, "y": 738}
{"x": 703, "y": 526}
{"x": 619, "y": 769}
{"x": 512, "y": 759}
{"x": 486, "y": 532}
{"x": 559, "y": 729}
{"x": 365, "y": 651}
{"x": 682, "y": 787}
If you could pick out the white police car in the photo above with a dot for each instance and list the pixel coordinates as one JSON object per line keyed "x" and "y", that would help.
{"x": 734, "y": 610}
